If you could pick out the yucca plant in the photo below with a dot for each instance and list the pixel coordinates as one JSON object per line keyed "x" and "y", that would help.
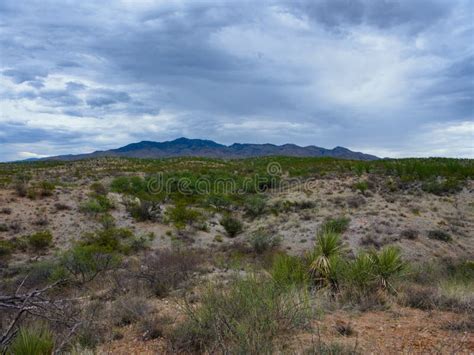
{"x": 327, "y": 250}
{"x": 288, "y": 271}
{"x": 360, "y": 273}
{"x": 387, "y": 264}
{"x": 36, "y": 340}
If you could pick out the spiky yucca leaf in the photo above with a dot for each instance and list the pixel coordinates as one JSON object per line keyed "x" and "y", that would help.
{"x": 328, "y": 247}
{"x": 37, "y": 340}
{"x": 387, "y": 264}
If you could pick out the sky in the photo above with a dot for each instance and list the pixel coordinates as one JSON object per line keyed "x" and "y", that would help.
{"x": 390, "y": 78}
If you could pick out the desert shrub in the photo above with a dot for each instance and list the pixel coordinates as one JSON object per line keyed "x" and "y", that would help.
{"x": 181, "y": 216}
{"x": 112, "y": 239}
{"x": 246, "y": 316}
{"x": 40, "y": 240}
{"x": 21, "y": 184}
{"x": 355, "y": 201}
{"x": 428, "y": 297}
{"x": 6, "y": 248}
{"x": 409, "y": 234}
{"x": 153, "y": 327}
{"x": 40, "y": 273}
{"x": 130, "y": 309}
{"x": 96, "y": 205}
{"x": 232, "y": 225}
{"x": 441, "y": 186}
{"x": 371, "y": 240}
{"x": 61, "y": 206}
{"x": 107, "y": 221}
{"x": 220, "y": 202}
{"x": 254, "y": 206}
{"x": 85, "y": 262}
{"x": 362, "y": 186}
{"x": 46, "y": 188}
{"x": 261, "y": 241}
{"x": 3, "y": 227}
{"x": 145, "y": 210}
{"x": 336, "y": 225}
{"x": 37, "y": 340}
{"x": 334, "y": 348}
{"x": 325, "y": 256}
{"x": 99, "y": 189}
{"x": 134, "y": 185}
{"x": 439, "y": 235}
{"x": 165, "y": 270}
{"x": 288, "y": 270}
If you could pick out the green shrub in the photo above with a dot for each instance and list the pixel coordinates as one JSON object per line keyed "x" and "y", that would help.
{"x": 40, "y": 240}
{"x": 337, "y": 225}
{"x": 181, "y": 216}
{"x": 359, "y": 276}
{"x": 262, "y": 241}
{"x": 107, "y": 221}
{"x": 145, "y": 210}
{"x": 36, "y": 340}
{"x": 254, "y": 206}
{"x": 220, "y": 202}
{"x": 245, "y": 317}
{"x": 85, "y": 262}
{"x": 130, "y": 309}
{"x": 46, "y": 188}
{"x": 6, "y": 248}
{"x": 21, "y": 181}
{"x": 442, "y": 186}
{"x": 362, "y": 186}
{"x": 96, "y": 205}
{"x": 232, "y": 225}
{"x": 440, "y": 235}
{"x": 134, "y": 185}
{"x": 98, "y": 189}
{"x": 288, "y": 270}
{"x": 112, "y": 239}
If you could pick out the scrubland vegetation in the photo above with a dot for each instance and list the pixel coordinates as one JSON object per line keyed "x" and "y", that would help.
{"x": 140, "y": 255}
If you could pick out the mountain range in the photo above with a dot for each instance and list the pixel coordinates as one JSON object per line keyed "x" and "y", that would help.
{"x": 182, "y": 147}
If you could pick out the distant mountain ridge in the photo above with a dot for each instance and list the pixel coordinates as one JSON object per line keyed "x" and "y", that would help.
{"x": 184, "y": 147}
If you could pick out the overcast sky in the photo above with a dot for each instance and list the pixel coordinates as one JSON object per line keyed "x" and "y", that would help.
{"x": 391, "y": 78}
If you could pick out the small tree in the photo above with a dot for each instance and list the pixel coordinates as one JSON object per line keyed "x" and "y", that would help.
{"x": 85, "y": 262}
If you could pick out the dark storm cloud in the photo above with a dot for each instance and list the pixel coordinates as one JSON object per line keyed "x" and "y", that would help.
{"x": 105, "y": 97}
{"x": 20, "y": 76}
{"x": 324, "y": 72}
{"x": 12, "y": 132}
{"x": 417, "y": 15}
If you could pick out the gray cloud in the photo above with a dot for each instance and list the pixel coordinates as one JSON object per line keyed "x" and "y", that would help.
{"x": 367, "y": 74}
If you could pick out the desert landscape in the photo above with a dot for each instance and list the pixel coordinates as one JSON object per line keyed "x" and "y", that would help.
{"x": 258, "y": 255}
{"x": 236, "y": 177}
